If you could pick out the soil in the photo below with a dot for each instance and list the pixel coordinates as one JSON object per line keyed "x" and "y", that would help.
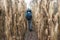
{"x": 31, "y": 36}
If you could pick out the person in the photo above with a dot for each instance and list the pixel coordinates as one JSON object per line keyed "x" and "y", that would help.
{"x": 29, "y": 19}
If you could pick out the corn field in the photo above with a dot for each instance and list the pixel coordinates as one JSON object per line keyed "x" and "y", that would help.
{"x": 45, "y": 19}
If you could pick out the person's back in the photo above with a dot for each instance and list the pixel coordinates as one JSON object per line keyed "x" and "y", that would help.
{"x": 28, "y": 14}
{"x": 29, "y": 19}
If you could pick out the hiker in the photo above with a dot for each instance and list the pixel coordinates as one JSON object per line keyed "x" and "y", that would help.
{"x": 29, "y": 18}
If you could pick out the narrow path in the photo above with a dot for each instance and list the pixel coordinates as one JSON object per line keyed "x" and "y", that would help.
{"x": 30, "y": 36}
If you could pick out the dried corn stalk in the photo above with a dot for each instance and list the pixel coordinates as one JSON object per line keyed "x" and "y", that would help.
{"x": 45, "y": 17}
{"x": 14, "y": 24}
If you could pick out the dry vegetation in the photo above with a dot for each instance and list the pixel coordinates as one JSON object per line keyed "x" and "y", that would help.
{"x": 12, "y": 24}
{"x": 46, "y": 19}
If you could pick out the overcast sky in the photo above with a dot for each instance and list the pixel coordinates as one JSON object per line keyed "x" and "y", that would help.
{"x": 28, "y": 3}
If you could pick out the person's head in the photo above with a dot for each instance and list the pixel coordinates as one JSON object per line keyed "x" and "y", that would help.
{"x": 29, "y": 10}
